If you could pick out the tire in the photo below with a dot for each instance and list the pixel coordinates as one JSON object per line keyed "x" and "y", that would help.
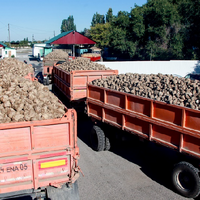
{"x": 97, "y": 138}
{"x": 47, "y": 81}
{"x": 64, "y": 193}
{"x": 185, "y": 179}
{"x": 44, "y": 81}
{"x": 107, "y": 144}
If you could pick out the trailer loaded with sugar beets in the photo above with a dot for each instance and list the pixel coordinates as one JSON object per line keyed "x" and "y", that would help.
{"x": 71, "y": 78}
{"x": 49, "y": 61}
{"x": 40, "y": 158}
{"x": 38, "y": 139}
{"x": 162, "y": 109}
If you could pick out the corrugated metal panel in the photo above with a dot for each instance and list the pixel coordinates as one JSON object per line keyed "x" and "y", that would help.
{"x": 58, "y": 36}
{"x": 71, "y": 37}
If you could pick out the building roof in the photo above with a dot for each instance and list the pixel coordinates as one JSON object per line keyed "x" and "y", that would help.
{"x": 70, "y": 37}
{"x": 2, "y": 45}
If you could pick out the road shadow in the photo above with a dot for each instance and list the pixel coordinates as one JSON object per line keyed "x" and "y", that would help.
{"x": 155, "y": 161}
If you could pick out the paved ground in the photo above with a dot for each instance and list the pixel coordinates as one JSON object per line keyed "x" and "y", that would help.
{"x": 131, "y": 170}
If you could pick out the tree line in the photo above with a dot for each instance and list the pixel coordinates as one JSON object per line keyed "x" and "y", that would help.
{"x": 158, "y": 30}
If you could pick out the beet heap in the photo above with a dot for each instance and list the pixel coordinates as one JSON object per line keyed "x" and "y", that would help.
{"x": 160, "y": 87}
{"x": 81, "y": 64}
{"x": 57, "y": 54}
{"x": 14, "y": 66}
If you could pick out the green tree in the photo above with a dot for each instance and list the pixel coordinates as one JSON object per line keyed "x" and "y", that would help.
{"x": 86, "y": 32}
{"x": 120, "y": 42}
{"x": 109, "y": 15}
{"x": 162, "y": 26}
{"x": 100, "y": 33}
{"x": 190, "y": 12}
{"x": 68, "y": 24}
{"x": 97, "y": 19}
{"x": 137, "y": 26}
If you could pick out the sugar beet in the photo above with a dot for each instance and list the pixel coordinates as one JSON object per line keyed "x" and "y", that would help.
{"x": 160, "y": 87}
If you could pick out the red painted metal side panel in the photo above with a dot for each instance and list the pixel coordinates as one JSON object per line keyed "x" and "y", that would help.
{"x": 38, "y": 153}
{"x": 171, "y": 137}
{"x": 11, "y": 140}
{"x": 115, "y": 99}
{"x": 133, "y": 123}
{"x": 192, "y": 119}
{"x": 173, "y": 126}
{"x": 138, "y": 105}
{"x": 168, "y": 113}
{"x": 56, "y": 138}
{"x": 96, "y": 93}
{"x": 73, "y": 38}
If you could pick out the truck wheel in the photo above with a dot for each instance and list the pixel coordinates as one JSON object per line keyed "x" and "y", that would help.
{"x": 185, "y": 179}
{"x": 107, "y": 144}
{"x": 44, "y": 81}
{"x": 47, "y": 81}
{"x": 97, "y": 138}
{"x": 64, "y": 193}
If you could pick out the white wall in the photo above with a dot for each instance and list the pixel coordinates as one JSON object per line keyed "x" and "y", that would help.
{"x": 179, "y": 67}
{"x": 36, "y": 51}
{"x": 6, "y": 55}
{"x": 37, "y": 47}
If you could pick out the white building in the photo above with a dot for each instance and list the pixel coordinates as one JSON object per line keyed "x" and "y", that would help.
{"x": 6, "y": 51}
{"x": 41, "y": 50}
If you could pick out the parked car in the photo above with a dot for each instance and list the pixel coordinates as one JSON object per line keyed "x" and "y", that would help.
{"x": 193, "y": 76}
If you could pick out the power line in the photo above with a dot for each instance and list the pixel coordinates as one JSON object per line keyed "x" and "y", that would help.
{"x": 27, "y": 28}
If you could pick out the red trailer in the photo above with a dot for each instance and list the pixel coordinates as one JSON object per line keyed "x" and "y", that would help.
{"x": 74, "y": 84}
{"x": 173, "y": 126}
{"x": 40, "y": 158}
{"x": 47, "y": 70}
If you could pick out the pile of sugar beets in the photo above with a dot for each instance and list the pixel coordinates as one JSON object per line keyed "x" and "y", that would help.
{"x": 57, "y": 54}
{"x": 81, "y": 63}
{"x": 22, "y": 99}
{"x": 160, "y": 87}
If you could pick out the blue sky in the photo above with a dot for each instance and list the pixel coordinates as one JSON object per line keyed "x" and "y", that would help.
{"x": 41, "y": 19}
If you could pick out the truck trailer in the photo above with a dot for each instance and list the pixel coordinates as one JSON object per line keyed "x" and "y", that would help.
{"x": 172, "y": 126}
{"x": 40, "y": 158}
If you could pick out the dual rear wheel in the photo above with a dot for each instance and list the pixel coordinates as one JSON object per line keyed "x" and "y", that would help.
{"x": 99, "y": 140}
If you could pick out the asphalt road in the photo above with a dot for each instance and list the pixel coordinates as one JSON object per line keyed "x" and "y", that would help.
{"x": 131, "y": 170}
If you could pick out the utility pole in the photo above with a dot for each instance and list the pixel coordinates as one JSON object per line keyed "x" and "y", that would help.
{"x": 54, "y": 34}
{"x": 9, "y": 32}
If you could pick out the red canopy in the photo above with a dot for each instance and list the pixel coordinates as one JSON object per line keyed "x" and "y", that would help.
{"x": 71, "y": 38}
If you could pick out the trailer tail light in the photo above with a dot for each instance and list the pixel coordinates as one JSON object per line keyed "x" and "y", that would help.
{"x": 53, "y": 163}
